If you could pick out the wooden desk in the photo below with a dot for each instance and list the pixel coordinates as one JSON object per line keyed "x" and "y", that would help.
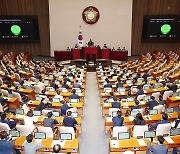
{"x": 173, "y": 101}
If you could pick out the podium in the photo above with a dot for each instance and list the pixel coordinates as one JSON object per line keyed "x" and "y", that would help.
{"x": 105, "y": 53}
{"x": 76, "y": 54}
{"x": 119, "y": 55}
{"x": 91, "y": 50}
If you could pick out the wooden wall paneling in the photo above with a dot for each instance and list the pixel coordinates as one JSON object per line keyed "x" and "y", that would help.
{"x": 29, "y": 7}
{"x": 151, "y": 7}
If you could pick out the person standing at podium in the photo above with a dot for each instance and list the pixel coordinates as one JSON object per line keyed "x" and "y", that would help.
{"x": 90, "y": 43}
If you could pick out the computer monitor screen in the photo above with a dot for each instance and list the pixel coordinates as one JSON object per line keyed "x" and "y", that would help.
{"x": 174, "y": 132}
{"x": 169, "y": 110}
{"x": 74, "y": 114}
{"x": 175, "y": 94}
{"x": 134, "y": 112}
{"x": 57, "y": 82}
{"x": 56, "y": 114}
{"x": 110, "y": 100}
{"x": 139, "y": 80}
{"x": 121, "y": 89}
{"x": 131, "y": 99}
{"x": 123, "y": 135}
{"x": 73, "y": 100}
{"x": 14, "y": 133}
{"x": 157, "y": 85}
{"x": 78, "y": 91}
{"x": 37, "y": 113}
{"x": 114, "y": 113}
{"x": 39, "y": 135}
{"x": 20, "y": 111}
{"x": 153, "y": 112}
{"x": 10, "y": 95}
{"x": 46, "y": 81}
{"x": 149, "y": 134}
{"x": 51, "y": 89}
{"x": 149, "y": 79}
{"x": 38, "y": 98}
{"x": 146, "y": 87}
{"x": 56, "y": 100}
{"x": 28, "y": 87}
{"x": 65, "y": 136}
{"x": 108, "y": 90}
{"x": 128, "y": 81}
{"x": 64, "y": 90}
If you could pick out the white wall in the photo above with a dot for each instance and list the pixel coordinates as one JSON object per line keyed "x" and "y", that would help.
{"x": 112, "y": 28}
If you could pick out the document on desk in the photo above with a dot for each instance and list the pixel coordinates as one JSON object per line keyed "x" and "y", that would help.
{"x": 115, "y": 143}
{"x": 60, "y": 142}
{"x": 141, "y": 142}
{"x": 103, "y": 94}
{"x": 168, "y": 139}
{"x": 106, "y": 104}
{"x": 109, "y": 119}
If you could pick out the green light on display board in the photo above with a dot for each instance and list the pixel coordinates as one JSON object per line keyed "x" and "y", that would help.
{"x": 15, "y": 29}
{"x": 165, "y": 29}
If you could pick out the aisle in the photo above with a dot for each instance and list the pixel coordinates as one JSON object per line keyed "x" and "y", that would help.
{"x": 93, "y": 139}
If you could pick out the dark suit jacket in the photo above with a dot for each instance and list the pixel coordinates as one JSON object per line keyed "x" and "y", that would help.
{"x": 151, "y": 104}
{"x": 119, "y": 84}
{"x": 11, "y": 123}
{"x": 64, "y": 108}
{"x": 74, "y": 96}
{"x": 55, "y": 86}
{"x": 176, "y": 122}
{"x": 118, "y": 121}
{"x": 48, "y": 122}
{"x": 40, "y": 107}
{"x": 68, "y": 121}
{"x": 157, "y": 149}
{"x": 139, "y": 92}
{"x": 136, "y": 107}
{"x": 115, "y": 105}
{"x": 65, "y": 86}
{"x": 6, "y": 147}
{"x": 108, "y": 85}
{"x": 2, "y": 101}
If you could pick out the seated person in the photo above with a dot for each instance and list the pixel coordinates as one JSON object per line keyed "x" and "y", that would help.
{"x": 161, "y": 101}
{"x": 140, "y": 91}
{"x": 6, "y": 145}
{"x": 74, "y": 95}
{"x": 145, "y": 75}
{"x": 138, "y": 120}
{"x": 56, "y": 148}
{"x": 115, "y": 103}
{"x": 69, "y": 121}
{"x": 152, "y": 103}
{"x": 30, "y": 147}
{"x": 128, "y": 95}
{"x": 76, "y": 46}
{"x": 114, "y": 73}
{"x": 119, "y": 48}
{"x": 49, "y": 107}
{"x": 49, "y": 121}
{"x": 59, "y": 96}
{"x": 118, "y": 120}
{"x": 12, "y": 123}
{"x": 113, "y": 49}
{"x": 41, "y": 106}
{"x": 105, "y": 46}
{"x": 70, "y": 73}
{"x": 76, "y": 85}
{"x": 107, "y": 85}
{"x": 65, "y": 85}
{"x": 53, "y": 84}
{"x": 64, "y": 108}
{"x": 158, "y": 148}
{"x": 172, "y": 87}
{"x": 175, "y": 123}
{"x": 90, "y": 43}
{"x": 163, "y": 121}
{"x": 137, "y": 106}
{"x": 123, "y": 48}
{"x": 2, "y": 100}
{"x": 119, "y": 83}
{"x": 111, "y": 96}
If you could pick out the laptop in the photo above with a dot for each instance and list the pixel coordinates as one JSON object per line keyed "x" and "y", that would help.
{"x": 174, "y": 132}
{"x": 74, "y": 114}
{"x": 146, "y": 87}
{"x": 108, "y": 90}
{"x": 51, "y": 89}
{"x": 10, "y": 95}
{"x": 56, "y": 113}
{"x": 73, "y": 100}
{"x": 153, "y": 112}
{"x": 133, "y": 113}
{"x": 65, "y": 136}
{"x": 149, "y": 134}
{"x": 38, "y": 98}
{"x": 169, "y": 110}
{"x": 14, "y": 133}
{"x": 40, "y": 135}
{"x": 175, "y": 94}
{"x": 20, "y": 111}
{"x": 37, "y": 113}
{"x": 131, "y": 99}
{"x": 121, "y": 89}
{"x": 28, "y": 87}
{"x": 149, "y": 79}
{"x": 157, "y": 85}
{"x": 139, "y": 80}
{"x": 123, "y": 135}
{"x": 56, "y": 100}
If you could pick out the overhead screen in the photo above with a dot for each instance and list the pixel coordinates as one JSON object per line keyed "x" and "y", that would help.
{"x": 161, "y": 28}
{"x": 19, "y": 28}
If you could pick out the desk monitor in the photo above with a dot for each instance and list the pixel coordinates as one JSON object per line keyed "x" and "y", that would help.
{"x": 128, "y": 81}
{"x": 169, "y": 110}
{"x": 108, "y": 90}
{"x": 56, "y": 100}
{"x": 20, "y": 111}
{"x": 36, "y": 80}
{"x": 149, "y": 134}
{"x": 57, "y": 82}
{"x": 40, "y": 135}
{"x": 56, "y": 113}
{"x": 174, "y": 132}
{"x": 46, "y": 81}
{"x": 65, "y": 136}
{"x": 146, "y": 87}
{"x": 28, "y": 87}
{"x": 74, "y": 114}
{"x": 135, "y": 89}
{"x": 38, "y": 98}
{"x": 73, "y": 100}
{"x": 131, "y": 99}
{"x": 139, "y": 80}
{"x": 121, "y": 89}
{"x": 175, "y": 94}
{"x": 123, "y": 135}
{"x": 149, "y": 79}
{"x": 153, "y": 112}
{"x": 157, "y": 85}
{"x": 78, "y": 91}
{"x": 129, "y": 71}
{"x": 10, "y": 95}
{"x": 134, "y": 75}
{"x": 110, "y": 100}
{"x": 51, "y": 89}
{"x": 64, "y": 90}
{"x": 134, "y": 112}
{"x": 36, "y": 113}
{"x": 114, "y": 113}
{"x": 14, "y": 133}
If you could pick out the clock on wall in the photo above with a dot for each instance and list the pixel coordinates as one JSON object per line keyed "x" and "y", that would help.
{"x": 90, "y": 15}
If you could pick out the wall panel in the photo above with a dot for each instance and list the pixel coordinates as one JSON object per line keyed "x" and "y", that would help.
{"x": 29, "y": 7}
{"x": 151, "y": 7}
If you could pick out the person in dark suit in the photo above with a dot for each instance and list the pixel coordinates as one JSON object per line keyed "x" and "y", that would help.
{"x": 107, "y": 85}
{"x": 137, "y": 106}
{"x": 38, "y": 76}
{"x": 64, "y": 108}
{"x": 145, "y": 75}
{"x": 138, "y": 120}
{"x": 118, "y": 120}
{"x": 128, "y": 95}
{"x": 64, "y": 85}
{"x": 176, "y": 151}
{"x": 158, "y": 148}
{"x": 119, "y": 83}
{"x": 12, "y": 123}
{"x": 69, "y": 121}
{"x": 115, "y": 103}
{"x": 90, "y": 43}
{"x": 152, "y": 103}
{"x": 70, "y": 73}
{"x": 140, "y": 91}
{"x": 163, "y": 121}
{"x": 6, "y": 146}
{"x": 53, "y": 84}
{"x": 41, "y": 106}
{"x": 49, "y": 122}
{"x": 74, "y": 95}
{"x": 176, "y": 122}
{"x": 76, "y": 85}
{"x": 2, "y": 100}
